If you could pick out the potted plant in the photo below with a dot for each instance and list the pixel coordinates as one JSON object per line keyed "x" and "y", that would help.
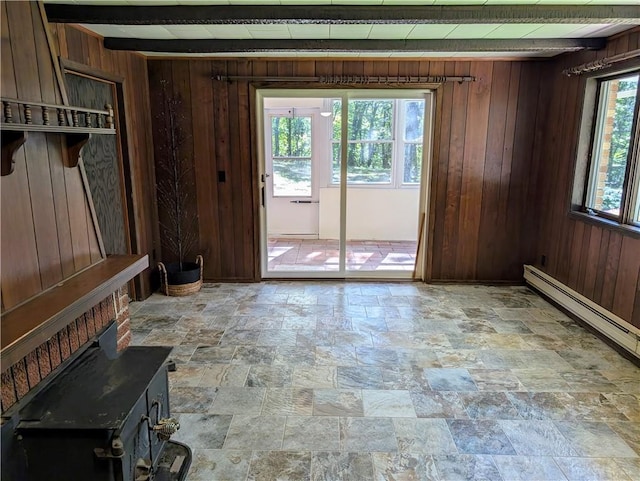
{"x": 175, "y": 188}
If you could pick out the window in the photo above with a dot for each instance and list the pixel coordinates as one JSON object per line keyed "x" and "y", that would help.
{"x": 412, "y": 138}
{"x": 384, "y": 144}
{"x": 291, "y": 152}
{"x": 613, "y": 172}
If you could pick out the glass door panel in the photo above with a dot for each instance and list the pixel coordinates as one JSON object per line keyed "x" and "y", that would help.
{"x": 375, "y": 211}
{"x": 302, "y": 238}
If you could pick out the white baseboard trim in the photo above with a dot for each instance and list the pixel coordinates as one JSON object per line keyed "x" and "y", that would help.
{"x": 612, "y": 326}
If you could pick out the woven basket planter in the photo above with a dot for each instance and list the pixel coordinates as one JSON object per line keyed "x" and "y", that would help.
{"x": 181, "y": 282}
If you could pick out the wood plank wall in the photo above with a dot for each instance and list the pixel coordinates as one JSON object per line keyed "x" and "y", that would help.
{"x": 482, "y": 209}
{"x": 80, "y": 47}
{"x": 601, "y": 263}
{"x": 47, "y": 229}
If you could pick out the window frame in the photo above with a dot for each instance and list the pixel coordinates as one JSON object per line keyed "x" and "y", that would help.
{"x": 290, "y": 115}
{"x": 585, "y": 175}
{"x": 397, "y": 142}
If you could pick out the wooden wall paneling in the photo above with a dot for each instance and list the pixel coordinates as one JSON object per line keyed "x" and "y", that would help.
{"x": 158, "y": 72}
{"x": 250, "y": 218}
{"x": 505, "y": 241}
{"x": 23, "y": 40}
{"x": 133, "y": 69}
{"x": 7, "y": 76}
{"x": 77, "y": 217}
{"x": 548, "y": 180}
{"x": 38, "y": 168}
{"x": 258, "y": 68}
{"x": 611, "y": 270}
{"x": 222, "y": 154}
{"x": 142, "y": 167}
{"x": 591, "y": 263}
{"x": 475, "y": 140}
{"x": 180, "y": 84}
{"x": 302, "y": 68}
{"x": 95, "y": 250}
{"x": 489, "y": 235}
{"x": 20, "y": 268}
{"x": 634, "y": 39}
{"x": 534, "y": 204}
{"x": 379, "y": 69}
{"x": 553, "y": 183}
{"x": 141, "y": 203}
{"x": 635, "y": 317}
{"x": 565, "y": 176}
{"x": 620, "y": 45}
{"x": 520, "y": 222}
{"x": 441, "y": 161}
{"x": 51, "y": 93}
{"x": 353, "y": 68}
{"x": 368, "y": 67}
{"x": 394, "y": 68}
{"x": 454, "y": 176}
{"x": 59, "y": 189}
{"x": 234, "y": 172}
{"x": 602, "y": 264}
{"x": 435, "y": 68}
{"x": 94, "y": 48}
{"x": 74, "y": 45}
{"x": 584, "y": 258}
{"x": 410, "y": 68}
{"x": 206, "y": 187}
{"x": 272, "y": 68}
{"x": 544, "y": 181}
{"x": 285, "y": 67}
{"x": 324, "y": 67}
{"x": 627, "y": 278}
{"x": 94, "y": 247}
{"x": 42, "y": 207}
{"x": 575, "y": 253}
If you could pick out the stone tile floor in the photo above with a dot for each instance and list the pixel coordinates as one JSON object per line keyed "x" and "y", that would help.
{"x": 392, "y": 381}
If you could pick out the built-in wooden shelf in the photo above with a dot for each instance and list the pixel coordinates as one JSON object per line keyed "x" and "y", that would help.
{"x": 30, "y": 324}
{"x": 76, "y": 124}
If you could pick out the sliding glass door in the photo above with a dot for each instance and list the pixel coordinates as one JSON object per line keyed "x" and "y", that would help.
{"x": 362, "y": 199}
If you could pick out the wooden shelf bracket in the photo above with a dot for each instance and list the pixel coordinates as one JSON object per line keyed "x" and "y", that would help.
{"x": 75, "y": 142}
{"x": 11, "y": 142}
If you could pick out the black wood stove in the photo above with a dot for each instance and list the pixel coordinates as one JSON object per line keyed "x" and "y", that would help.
{"x": 104, "y": 418}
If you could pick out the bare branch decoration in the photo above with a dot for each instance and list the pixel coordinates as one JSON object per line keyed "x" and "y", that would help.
{"x": 176, "y": 187}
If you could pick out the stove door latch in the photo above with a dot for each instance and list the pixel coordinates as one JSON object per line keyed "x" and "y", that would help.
{"x": 116, "y": 450}
{"x": 165, "y": 428}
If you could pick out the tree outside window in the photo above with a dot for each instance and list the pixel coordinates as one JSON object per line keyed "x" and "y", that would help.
{"x": 384, "y": 141}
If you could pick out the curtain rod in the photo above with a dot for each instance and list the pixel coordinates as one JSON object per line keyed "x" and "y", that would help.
{"x": 601, "y": 64}
{"x": 350, "y": 79}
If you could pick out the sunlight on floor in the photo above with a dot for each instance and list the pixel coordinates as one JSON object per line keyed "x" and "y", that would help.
{"x": 323, "y": 255}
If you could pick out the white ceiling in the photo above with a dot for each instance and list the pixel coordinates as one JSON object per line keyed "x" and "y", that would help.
{"x": 394, "y": 32}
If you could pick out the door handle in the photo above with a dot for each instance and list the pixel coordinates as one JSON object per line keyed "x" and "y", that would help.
{"x": 304, "y": 201}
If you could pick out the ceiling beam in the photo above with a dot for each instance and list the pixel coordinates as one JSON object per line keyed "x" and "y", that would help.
{"x": 301, "y": 45}
{"x": 340, "y": 14}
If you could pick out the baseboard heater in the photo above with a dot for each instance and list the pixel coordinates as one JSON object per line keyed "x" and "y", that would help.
{"x": 612, "y": 326}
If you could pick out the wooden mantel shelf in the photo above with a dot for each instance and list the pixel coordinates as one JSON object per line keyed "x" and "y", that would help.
{"x": 30, "y": 324}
